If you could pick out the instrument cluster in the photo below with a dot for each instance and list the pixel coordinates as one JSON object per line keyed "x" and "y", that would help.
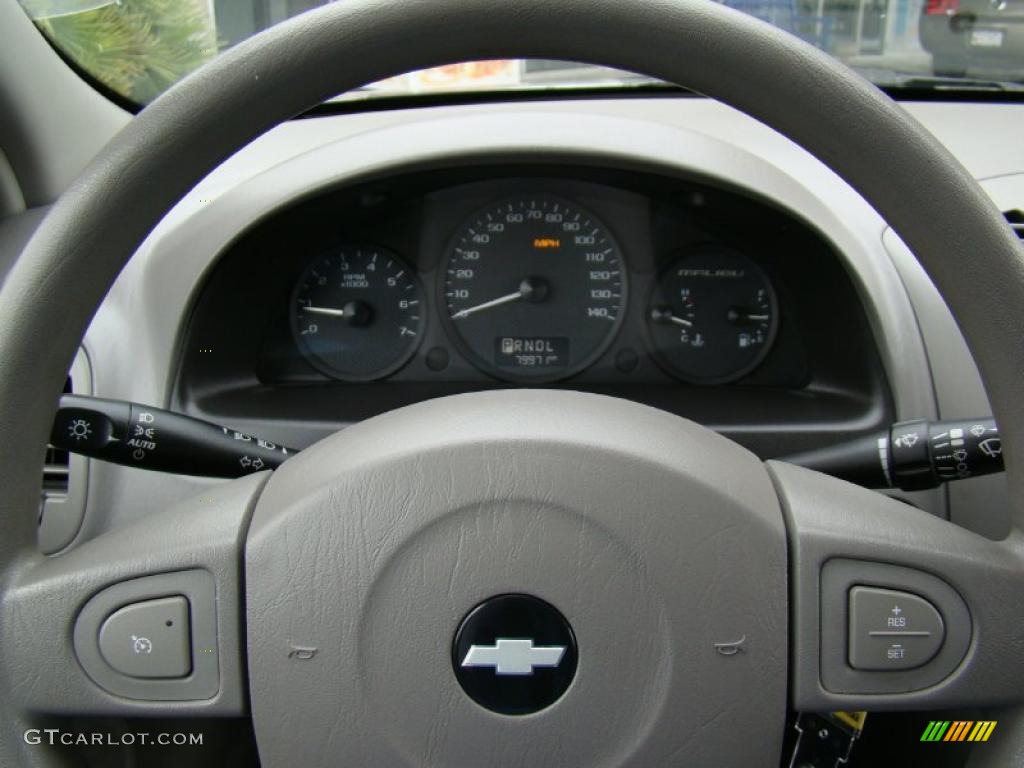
{"x": 534, "y": 286}
{"x": 681, "y": 294}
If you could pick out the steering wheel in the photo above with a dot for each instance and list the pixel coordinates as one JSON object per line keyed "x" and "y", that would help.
{"x": 697, "y": 590}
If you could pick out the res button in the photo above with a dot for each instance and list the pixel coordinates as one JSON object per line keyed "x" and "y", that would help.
{"x": 149, "y": 639}
{"x": 892, "y": 630}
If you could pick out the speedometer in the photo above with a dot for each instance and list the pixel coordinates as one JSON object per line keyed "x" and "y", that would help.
{"x": 534, "y": 288}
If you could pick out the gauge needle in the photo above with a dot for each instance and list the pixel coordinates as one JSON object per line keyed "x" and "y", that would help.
{"x": 355, "y": 313}
{"x": 532, "y": 289}
{"x": 738, "y": 315}
{"x": 326, "y": 311}
{"x": 664, "y": 315}
{"x": 506, "y": 299}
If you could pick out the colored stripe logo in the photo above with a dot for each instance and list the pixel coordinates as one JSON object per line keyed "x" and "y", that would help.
{"x": 958, "y": 730}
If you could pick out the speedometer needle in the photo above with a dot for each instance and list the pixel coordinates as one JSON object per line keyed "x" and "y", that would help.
{"x": 532, "y": 289}
{"x": 506, "y": 299}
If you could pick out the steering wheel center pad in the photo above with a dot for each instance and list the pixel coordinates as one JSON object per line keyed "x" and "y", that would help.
{"x": 656, "y": 538}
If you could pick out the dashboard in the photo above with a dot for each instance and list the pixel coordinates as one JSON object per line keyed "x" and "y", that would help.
{"x": 204, "y": 318}
{"x": 685, "y": 295}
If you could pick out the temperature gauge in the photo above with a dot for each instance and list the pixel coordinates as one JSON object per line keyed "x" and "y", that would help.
{"x": 712, "y": 316}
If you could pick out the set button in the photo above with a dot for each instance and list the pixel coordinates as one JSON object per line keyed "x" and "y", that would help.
{"x": 892, "y": 630}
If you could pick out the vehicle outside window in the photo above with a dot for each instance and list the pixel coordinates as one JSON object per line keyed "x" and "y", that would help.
{"x": 967, "y": 36}
{"x": 138, "y": 48}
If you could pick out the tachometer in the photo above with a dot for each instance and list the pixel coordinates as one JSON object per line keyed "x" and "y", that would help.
{"x": 534, "y": 288}
{"x": 713, "y": 316}
{"x": 356, "y": 312}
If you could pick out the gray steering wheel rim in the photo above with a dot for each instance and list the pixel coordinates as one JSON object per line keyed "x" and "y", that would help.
{"x": 900, "y": 169}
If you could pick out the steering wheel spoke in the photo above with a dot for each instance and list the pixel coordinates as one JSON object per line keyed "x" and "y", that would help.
{"x": 143, "y": 620}
{"x": 864, "y": 570}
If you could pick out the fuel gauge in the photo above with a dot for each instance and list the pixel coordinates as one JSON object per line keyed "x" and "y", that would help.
{"x": 713, "y": 316}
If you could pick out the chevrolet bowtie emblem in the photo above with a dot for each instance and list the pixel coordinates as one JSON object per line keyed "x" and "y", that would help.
{"x": 513, "y": 657}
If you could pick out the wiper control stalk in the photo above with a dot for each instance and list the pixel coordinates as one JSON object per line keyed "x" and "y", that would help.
{"x": 912, "y": 455}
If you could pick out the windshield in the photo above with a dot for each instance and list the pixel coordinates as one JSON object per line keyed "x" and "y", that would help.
{"x": 139, "y": 48}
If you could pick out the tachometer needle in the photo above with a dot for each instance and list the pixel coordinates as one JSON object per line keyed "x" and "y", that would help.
{"x": 325, "y": 311}
{"x": 355, "y": 313}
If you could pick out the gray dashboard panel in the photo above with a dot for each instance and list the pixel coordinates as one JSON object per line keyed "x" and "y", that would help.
{"x": 147, "y": 305}
{"x": 147, "y": 308}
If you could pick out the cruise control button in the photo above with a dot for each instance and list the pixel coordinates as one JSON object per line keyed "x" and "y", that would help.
{"x": 892, "y": 630}
{"x": 149, "y": 639}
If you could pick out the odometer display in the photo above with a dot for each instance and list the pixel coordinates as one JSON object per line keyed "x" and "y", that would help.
{"x": 534, "y": 288}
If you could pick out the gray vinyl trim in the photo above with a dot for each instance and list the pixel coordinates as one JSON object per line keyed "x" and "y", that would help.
{"x": 61, "y": 516}
{"x": 12, "y": 201}
{"x": 15, "y": 231}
